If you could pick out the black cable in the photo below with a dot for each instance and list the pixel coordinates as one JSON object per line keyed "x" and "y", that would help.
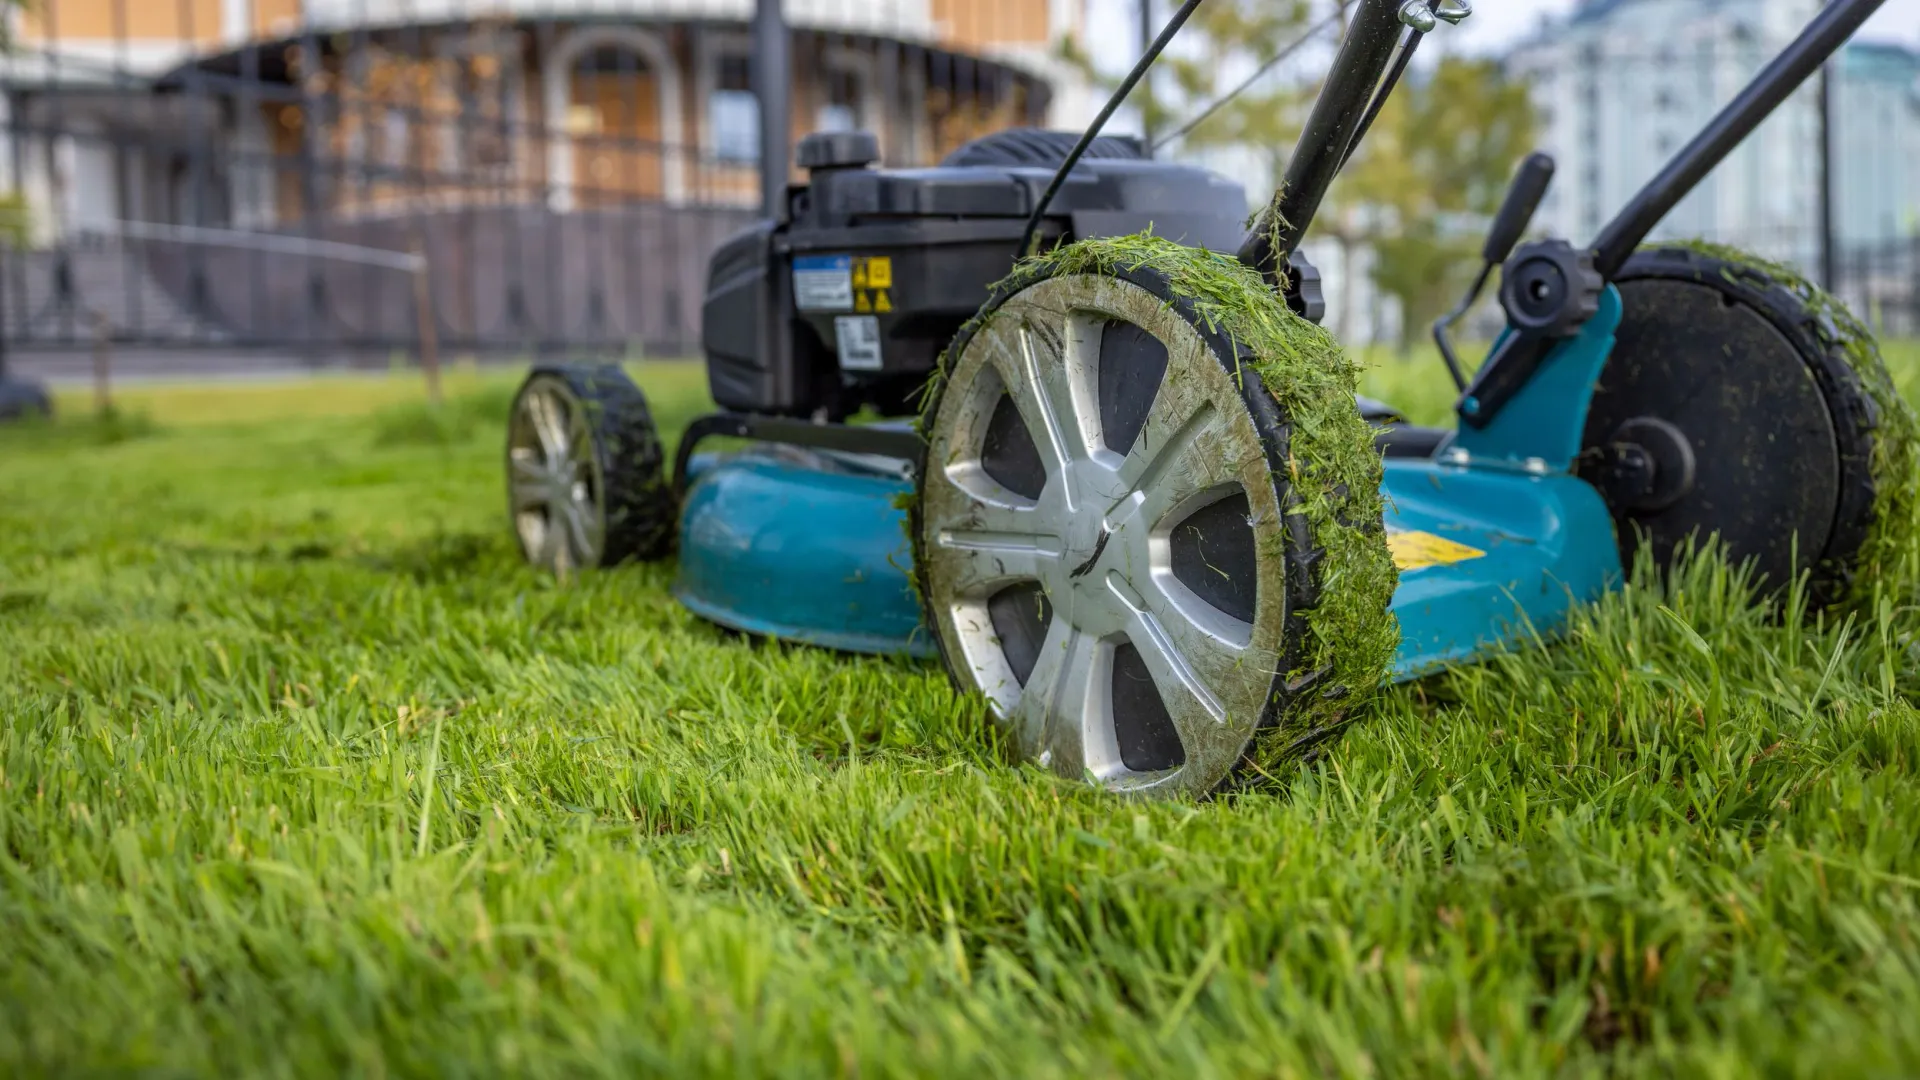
{"x": 1333, "y": 18}
{"x": 1443, "y": 326}
{"x": 1093, "y": 130}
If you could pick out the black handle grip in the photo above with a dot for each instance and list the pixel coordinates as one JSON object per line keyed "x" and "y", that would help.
{"x": 1523, "y": 198}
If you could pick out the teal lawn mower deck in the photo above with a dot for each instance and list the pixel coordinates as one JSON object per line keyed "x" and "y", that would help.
{"x": 1133, "y": 500}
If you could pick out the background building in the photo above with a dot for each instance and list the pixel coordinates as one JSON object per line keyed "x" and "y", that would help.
{"x": 1622, "y": 84}
{"x": 259, "y": 174}
{"x": 1876, "y": 109}
{"x": 565, "y": 165}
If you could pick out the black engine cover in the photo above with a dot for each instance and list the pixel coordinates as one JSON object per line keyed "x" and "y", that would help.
{"x": 850, "y": 300}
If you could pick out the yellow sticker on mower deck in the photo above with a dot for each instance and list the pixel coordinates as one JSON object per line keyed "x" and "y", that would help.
{"x": 1419, "y": 550}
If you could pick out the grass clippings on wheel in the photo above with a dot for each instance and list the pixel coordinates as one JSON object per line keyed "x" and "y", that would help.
{"x": 1333, "y": 470}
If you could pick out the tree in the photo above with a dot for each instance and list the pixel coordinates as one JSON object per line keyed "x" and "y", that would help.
{"x": 1432, "y": 170}
{"x": 1434, "y": 166}
{"x": 1224, "y": 41}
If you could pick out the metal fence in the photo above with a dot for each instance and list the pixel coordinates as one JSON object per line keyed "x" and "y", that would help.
{"x": 1881, "y": 284}
{"x": 276, "y": 174}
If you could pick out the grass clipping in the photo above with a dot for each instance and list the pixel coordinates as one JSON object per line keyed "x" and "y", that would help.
{"x": 1888, "y": 563}
{"x": 1333, "y": 475}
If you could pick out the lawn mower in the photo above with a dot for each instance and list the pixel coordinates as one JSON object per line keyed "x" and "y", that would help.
{"x": 1133, "y": 500}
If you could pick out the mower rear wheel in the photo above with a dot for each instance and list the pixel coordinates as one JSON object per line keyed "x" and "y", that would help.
{"x": 1108, "y": 544}
{"x": 585, "y": 484}
{"x": 1741, "y": 402}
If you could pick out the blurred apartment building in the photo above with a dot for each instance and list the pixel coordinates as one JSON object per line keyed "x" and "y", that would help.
{"x": 1622, "y": 84}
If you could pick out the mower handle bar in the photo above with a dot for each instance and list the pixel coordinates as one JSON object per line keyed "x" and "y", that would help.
{"x": 1529, "y": 186}
{"x": 1368, "y": 51}
{"x": 1829, "y": 30}
{"x": 1337, "y": 116}
{"x": 1523, "y": 199}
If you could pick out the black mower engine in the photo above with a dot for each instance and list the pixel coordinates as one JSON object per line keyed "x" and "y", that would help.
{"x": 849, "y": 300}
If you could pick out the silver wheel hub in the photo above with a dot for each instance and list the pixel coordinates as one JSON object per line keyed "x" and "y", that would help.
{"x": 1119, "y": 658}
{"x": 554, "y": 478}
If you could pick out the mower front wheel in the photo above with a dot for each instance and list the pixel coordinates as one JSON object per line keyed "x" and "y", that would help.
{"x": 1136, "y": 505}
{"x": 585, "y": 484}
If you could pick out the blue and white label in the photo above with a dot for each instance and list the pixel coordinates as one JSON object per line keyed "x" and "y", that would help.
{"x": 823, "y": 282}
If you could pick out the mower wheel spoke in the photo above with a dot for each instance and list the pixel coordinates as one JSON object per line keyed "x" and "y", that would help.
{"x": 544, "y": 410}
{"x": 1064, "y": 694}
{"x": 1034, "y": 374}
{"x": 577, "y": 537}
{"x": 1184, "y": 657}
{"x": 983, "y": 560}
{"x": 528, "y": 482}
{"x": 524, "y": 471}
{"x": 553, "y": 543}
{"x": 579, "y": 442}
{"x": 1174, "y": 460}
{"x": 987, "y": 516}
{"x": 527, "y": 495}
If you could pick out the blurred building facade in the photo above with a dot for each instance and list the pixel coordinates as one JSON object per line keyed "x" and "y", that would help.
{"x": 1621, "y": 85}
{"x": 1876, "y": 110}
{"x": 570, "y": 102}
{"x": 241, "y": 172}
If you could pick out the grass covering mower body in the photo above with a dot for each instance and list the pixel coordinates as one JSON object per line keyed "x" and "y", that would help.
{"x": 1140, "y": 512}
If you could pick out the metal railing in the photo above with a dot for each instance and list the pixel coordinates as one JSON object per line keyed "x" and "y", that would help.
{"x": 565, "y": 167}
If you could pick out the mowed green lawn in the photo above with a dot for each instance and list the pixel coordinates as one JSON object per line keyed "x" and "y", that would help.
{"x": 301, "y": 772}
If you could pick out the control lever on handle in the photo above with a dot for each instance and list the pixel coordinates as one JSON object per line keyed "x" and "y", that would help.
{"x": 1516, "y": 212}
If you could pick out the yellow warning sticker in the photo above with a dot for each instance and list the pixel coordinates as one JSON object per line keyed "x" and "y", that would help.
{"x": 860, "y": 301}
{"x": 880, "y": 272}
{"x": 1419, "y": 550}
{"x": 860, "y": 273}
{"x": 880, "y": 301}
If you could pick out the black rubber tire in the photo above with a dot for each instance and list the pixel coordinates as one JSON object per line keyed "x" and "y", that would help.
{"x": 1312, "y": 707}
{"x": 1040, "y": 149}
{"x": 1750, "y": 501}
{"x": 639, "y": 509}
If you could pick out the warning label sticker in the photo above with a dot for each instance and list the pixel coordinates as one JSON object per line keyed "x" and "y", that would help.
{"x": 859, "y": 339}
{"x": 823, "y": 282}
{"x": 873, "y": 272}
{"x": 1419, "y": 550}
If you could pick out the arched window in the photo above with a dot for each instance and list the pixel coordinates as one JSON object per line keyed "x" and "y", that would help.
{"x": 613, "y": 116}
